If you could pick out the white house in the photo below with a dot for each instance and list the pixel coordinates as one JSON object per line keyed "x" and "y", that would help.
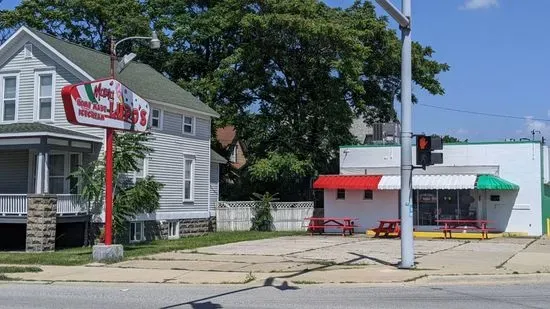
{"x": 39, "y": 148}
{"x": 503, "y": 182}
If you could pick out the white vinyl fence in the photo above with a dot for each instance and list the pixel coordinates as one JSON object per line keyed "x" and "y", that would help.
{"x": 287, "y": 216}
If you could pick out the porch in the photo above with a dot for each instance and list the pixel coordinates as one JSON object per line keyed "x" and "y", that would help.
{"x": 16, "y": 205}
{"x": 36, "y": 158}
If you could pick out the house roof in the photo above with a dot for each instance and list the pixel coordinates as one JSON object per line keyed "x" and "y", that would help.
{"x": 226, "y": 135}
{"x": 141, "y": 78}
{"x": 216, "y": 157}
{"x": 38, "y": 129}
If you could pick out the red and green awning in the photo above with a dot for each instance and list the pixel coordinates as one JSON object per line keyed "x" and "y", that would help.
{"x": 491, "y": 182}
{"x": 392, "y": 182}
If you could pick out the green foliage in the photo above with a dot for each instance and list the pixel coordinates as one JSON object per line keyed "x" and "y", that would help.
{"x": 280, "y": 167}
{"x": 289, "y": 75}
{"x": 451, "y": 139}
{"x": 130, "y": 198}
{"x": 262, "y": 219}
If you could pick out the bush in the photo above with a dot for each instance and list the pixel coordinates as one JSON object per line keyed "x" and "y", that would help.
{"x": 262, "y": 219}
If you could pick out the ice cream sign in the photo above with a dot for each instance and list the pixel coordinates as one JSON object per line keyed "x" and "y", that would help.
{"x": 105, "y": 103}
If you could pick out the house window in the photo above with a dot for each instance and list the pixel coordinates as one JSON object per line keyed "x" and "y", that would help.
{"x": 188, "y": 125}
{"x": 142, "y": 169}
{"x": 156, "y": 118}
{"x": 173, "y": 229}
{"x": 234, "y": 152}
{"x": 45, "y": 96}
{"x": 136, "y": 231}
{"x": 367, "y": 195}
{"x": 56, "y": 166}
{"x": 8, "y": 90}
{"x": 74, "y": 164}
{"x": 188, "y": 175}
{"x": 341, "y": 194}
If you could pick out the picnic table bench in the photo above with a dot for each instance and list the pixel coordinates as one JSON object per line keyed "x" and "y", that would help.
{"x": 387, "y": 226}
{"x": 463, "y": 225}
{"x": 318, "y": 224}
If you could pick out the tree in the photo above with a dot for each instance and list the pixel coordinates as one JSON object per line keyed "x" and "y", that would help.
{"x": 130, "y": 198}
{"x": 289, "y": 75}
{"x": 451, "y": 139}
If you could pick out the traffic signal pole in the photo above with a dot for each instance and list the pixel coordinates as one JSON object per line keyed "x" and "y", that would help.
{"x": 403, "y": 19}
{"x": 407, "y": 245}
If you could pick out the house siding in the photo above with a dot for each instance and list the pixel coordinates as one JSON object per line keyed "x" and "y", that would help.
{"x": 14, "y": 172}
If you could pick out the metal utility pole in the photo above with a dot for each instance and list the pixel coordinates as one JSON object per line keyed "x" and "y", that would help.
{"x": 403, "y": 18}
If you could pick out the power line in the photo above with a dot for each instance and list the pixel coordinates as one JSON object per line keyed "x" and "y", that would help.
{"x": 481, "y": 113}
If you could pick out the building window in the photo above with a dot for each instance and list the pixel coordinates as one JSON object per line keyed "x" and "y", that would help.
{"x": 56, "y": 166}
{"x": 156, "y": 118}
{"x": 9, "y": 90}
{"x": 173, "y": 229}
{"x": 495, "y": 198}
{"x": 136, "y": 231}
{"x": 188, "y": 175}
{"x": 142, "y": 169}
{"x": 74, "y": 164}
{"x": 341, "y": 194}
{"x": 234, "y": 152}
{"x": 367, "y": 195}
{"x": 45, "y": 95}
{"x": 188, "y": 125}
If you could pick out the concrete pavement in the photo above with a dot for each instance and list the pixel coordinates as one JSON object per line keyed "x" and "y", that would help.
{"x": 321, "y": 259}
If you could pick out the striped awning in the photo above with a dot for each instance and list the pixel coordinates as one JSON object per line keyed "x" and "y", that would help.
{"x": 427, "y": 182}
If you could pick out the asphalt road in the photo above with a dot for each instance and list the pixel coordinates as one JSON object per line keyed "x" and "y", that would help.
{"x": 79, "y": 295}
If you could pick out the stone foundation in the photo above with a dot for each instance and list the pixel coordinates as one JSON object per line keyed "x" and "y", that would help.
{"x": 41, "y": 222}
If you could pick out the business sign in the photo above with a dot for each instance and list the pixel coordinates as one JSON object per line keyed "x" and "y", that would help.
{"x": 105, "y": 103}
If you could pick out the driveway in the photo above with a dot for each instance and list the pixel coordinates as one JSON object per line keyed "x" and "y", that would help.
{"x": 303, "y": 254}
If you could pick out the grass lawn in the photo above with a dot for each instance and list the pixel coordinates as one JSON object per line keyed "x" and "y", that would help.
{"x": 80, "y": 256}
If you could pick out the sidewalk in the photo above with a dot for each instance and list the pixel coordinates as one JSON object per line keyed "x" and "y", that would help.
{"x": 323, "y": 259}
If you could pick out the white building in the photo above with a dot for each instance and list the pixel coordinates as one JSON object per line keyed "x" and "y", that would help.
{"x": 503, "y": 182}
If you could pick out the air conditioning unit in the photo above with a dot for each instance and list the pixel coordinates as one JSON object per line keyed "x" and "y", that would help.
{"x": 386, "y": 133}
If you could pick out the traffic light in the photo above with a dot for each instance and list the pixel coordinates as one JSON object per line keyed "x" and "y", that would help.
{"x": 425, "y": 145}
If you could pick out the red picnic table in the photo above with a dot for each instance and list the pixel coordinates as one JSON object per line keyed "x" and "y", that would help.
{"x": 318, "y": 224}
{"x": 388, "y": 226}
{"x": 464, "y": 225}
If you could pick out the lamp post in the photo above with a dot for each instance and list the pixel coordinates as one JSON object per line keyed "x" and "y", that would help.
{"x": 403, "y": 18}
{"x": 154, "y": 44}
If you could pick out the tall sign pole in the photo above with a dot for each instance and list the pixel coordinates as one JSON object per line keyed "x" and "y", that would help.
{"x": 403, "y": 19}
{"x": 109, "y": 165}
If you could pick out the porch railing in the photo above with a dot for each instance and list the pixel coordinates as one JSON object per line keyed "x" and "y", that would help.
{"x": 16, "y": 204}
{"x": 70, "y": 204}
{"x": 13, "y": 204}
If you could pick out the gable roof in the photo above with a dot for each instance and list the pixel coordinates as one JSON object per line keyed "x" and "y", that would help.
{"x": 140, "y": 77}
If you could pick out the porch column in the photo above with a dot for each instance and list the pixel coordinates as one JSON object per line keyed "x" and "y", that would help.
{"x": 39, "y": 188}
{"x": 46, "y": 172}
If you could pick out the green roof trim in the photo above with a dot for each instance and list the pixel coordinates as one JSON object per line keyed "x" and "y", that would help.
{"x": 444, "y": 144}
{"x": 141, "y": 78}
{"x": 491, "y": 182}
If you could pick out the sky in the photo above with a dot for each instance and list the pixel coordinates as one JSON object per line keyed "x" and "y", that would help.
{"x": 499, "y": 53}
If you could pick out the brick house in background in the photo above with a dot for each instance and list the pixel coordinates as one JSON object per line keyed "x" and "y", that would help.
{"x": 227, "y": 137}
